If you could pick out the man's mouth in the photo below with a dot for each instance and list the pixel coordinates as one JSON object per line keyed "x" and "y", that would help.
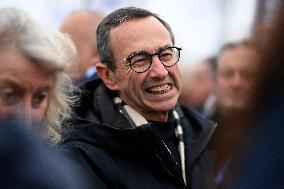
{"x": 161, "y": 89}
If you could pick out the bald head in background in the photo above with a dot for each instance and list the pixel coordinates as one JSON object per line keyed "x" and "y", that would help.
{"x": 81, "y": 26}
{"x": 198, "y": 84}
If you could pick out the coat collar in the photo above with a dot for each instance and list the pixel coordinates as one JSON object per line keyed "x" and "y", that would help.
{"x": 105, "y": 126}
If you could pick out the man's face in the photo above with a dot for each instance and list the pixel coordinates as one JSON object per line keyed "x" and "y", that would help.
{"x": 235, "y": 82}
{"x": 154, "y": 92}
{"x": 24, "y": 87}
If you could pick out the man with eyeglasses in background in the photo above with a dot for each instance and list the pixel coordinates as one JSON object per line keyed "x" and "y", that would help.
{"x": 129, "y": 130}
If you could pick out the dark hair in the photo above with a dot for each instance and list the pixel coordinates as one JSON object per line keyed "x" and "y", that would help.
{"x": 231, "y": 45}
{"x": 114, "y": 19}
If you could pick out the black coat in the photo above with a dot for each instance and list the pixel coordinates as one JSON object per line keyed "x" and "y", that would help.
{"x": 136, "y": 157}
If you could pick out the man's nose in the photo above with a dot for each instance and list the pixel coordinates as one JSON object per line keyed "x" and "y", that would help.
{"x": 237, "y": 79}
{"x": 157, "y": 69}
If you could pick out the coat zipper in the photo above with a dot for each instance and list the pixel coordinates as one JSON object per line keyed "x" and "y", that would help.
{"x": 173, "y": 160}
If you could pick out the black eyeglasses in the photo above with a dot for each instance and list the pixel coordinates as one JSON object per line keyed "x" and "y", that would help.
{"x": 141, "y": 61}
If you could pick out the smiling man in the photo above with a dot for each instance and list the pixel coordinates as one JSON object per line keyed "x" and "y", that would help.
{"x": 130, "y": 131}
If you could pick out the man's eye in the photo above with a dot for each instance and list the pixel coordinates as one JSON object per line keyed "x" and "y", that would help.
{"x": 139, "y": 61}
{"x": 9, "y": 96}
{"x": 166, "y": 55}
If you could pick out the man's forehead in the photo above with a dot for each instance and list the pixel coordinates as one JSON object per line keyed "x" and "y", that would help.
{"x": 237, "y": 54}
{"x": 135, "y": 31}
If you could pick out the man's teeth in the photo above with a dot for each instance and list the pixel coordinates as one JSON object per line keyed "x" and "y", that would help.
{"x": 160, "y": 89}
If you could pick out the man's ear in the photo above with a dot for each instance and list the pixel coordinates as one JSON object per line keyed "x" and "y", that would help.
{"x": 107, "y": 76}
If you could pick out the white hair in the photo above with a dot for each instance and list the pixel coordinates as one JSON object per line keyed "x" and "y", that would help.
{"x": 51, "y": 50}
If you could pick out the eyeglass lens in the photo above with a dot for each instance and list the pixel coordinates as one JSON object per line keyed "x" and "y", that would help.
{"x": 141, "y": 62}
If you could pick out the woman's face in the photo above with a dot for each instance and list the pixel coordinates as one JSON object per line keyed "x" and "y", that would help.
{"x": 24, "y": 86}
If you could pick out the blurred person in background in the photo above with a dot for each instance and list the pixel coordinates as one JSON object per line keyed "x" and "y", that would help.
{"x": 263, "y": 158}
{"x": 131, "y": 131}
{"x": 235, "y": 77}
{"x": 33, "y": 61}
{"x": 81, "y": 25}
{"x": 198, "y": 84}
{"x": 235, "y": 87}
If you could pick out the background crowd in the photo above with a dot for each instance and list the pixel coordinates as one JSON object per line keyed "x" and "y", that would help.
{"x": 55, "y": 84}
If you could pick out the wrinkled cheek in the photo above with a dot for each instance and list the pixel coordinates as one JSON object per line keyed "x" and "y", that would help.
{"x": 178, "y": 81}
{"x": 137, "y": 93}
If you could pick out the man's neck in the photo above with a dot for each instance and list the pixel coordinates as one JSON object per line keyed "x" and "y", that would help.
{"x": 156, "y": 116}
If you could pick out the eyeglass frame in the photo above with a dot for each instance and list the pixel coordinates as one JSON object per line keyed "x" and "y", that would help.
{"x": 158, "y": 53}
